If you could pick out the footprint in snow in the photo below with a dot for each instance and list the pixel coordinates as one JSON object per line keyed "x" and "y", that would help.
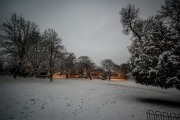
{"x": 18, "y": 102}
{"x": 12, "y": 118}
{"x": 26, "y": 116}
{"x": 32, "y": 99}
{"x": 9, "y": 106}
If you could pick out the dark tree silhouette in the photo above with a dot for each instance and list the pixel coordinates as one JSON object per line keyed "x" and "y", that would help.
{"x": 108, "y": 66}
{"x": 69, "y": 63}
{"x": 54, "y": 47}
{"x": 85, "y": 63}
{"x": 14, "y": 37}
{"x": 123, "y": 70}
{"x": 170, "y": 10}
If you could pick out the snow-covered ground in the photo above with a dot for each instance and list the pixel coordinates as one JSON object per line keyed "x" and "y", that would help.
{"x": 82, "y": 99}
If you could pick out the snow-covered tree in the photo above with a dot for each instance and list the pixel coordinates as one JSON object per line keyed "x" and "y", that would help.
{"x": 154, "y": 51}
{"x": 170, "y": 13}
{"x": 154, "y": 66}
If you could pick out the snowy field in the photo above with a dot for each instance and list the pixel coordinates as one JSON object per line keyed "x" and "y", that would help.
{"x": 82, "y": 99}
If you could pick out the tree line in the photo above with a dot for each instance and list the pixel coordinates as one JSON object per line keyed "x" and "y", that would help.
{"x": 155, "y": 48}
{"x": 25, "y": 51}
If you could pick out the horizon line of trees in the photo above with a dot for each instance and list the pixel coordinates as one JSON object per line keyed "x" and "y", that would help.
{"x": 26, "y": 51}
{"x": 155, "y": 48}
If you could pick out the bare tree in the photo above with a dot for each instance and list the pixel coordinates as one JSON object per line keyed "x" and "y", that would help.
{"x": 69, "y": 63}
{"x": 36, "y": 54}
{"x": 85, "y": 63}
{"x": 54, "y": 47}
{"x": 14, "y": 37}
{"x": 98, "y": 71}
{"x": 108, "y": 66}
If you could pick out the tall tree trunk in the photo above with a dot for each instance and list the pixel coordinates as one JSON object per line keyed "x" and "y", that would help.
{"x": 51, "y": 79}
{"x": 109, "y": 76}
{"x": 17, "y": 70}
{"x": 90, "y": 76}
{"x": 66, "y": 75}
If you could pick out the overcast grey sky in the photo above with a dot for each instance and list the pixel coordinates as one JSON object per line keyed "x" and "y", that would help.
{"x": 87, "y": 27}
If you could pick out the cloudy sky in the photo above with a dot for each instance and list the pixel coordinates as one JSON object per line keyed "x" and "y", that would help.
{"x": 87, "y": 27}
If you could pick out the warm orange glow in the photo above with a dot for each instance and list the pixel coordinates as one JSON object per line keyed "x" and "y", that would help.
{"x": 117, "y": 79}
